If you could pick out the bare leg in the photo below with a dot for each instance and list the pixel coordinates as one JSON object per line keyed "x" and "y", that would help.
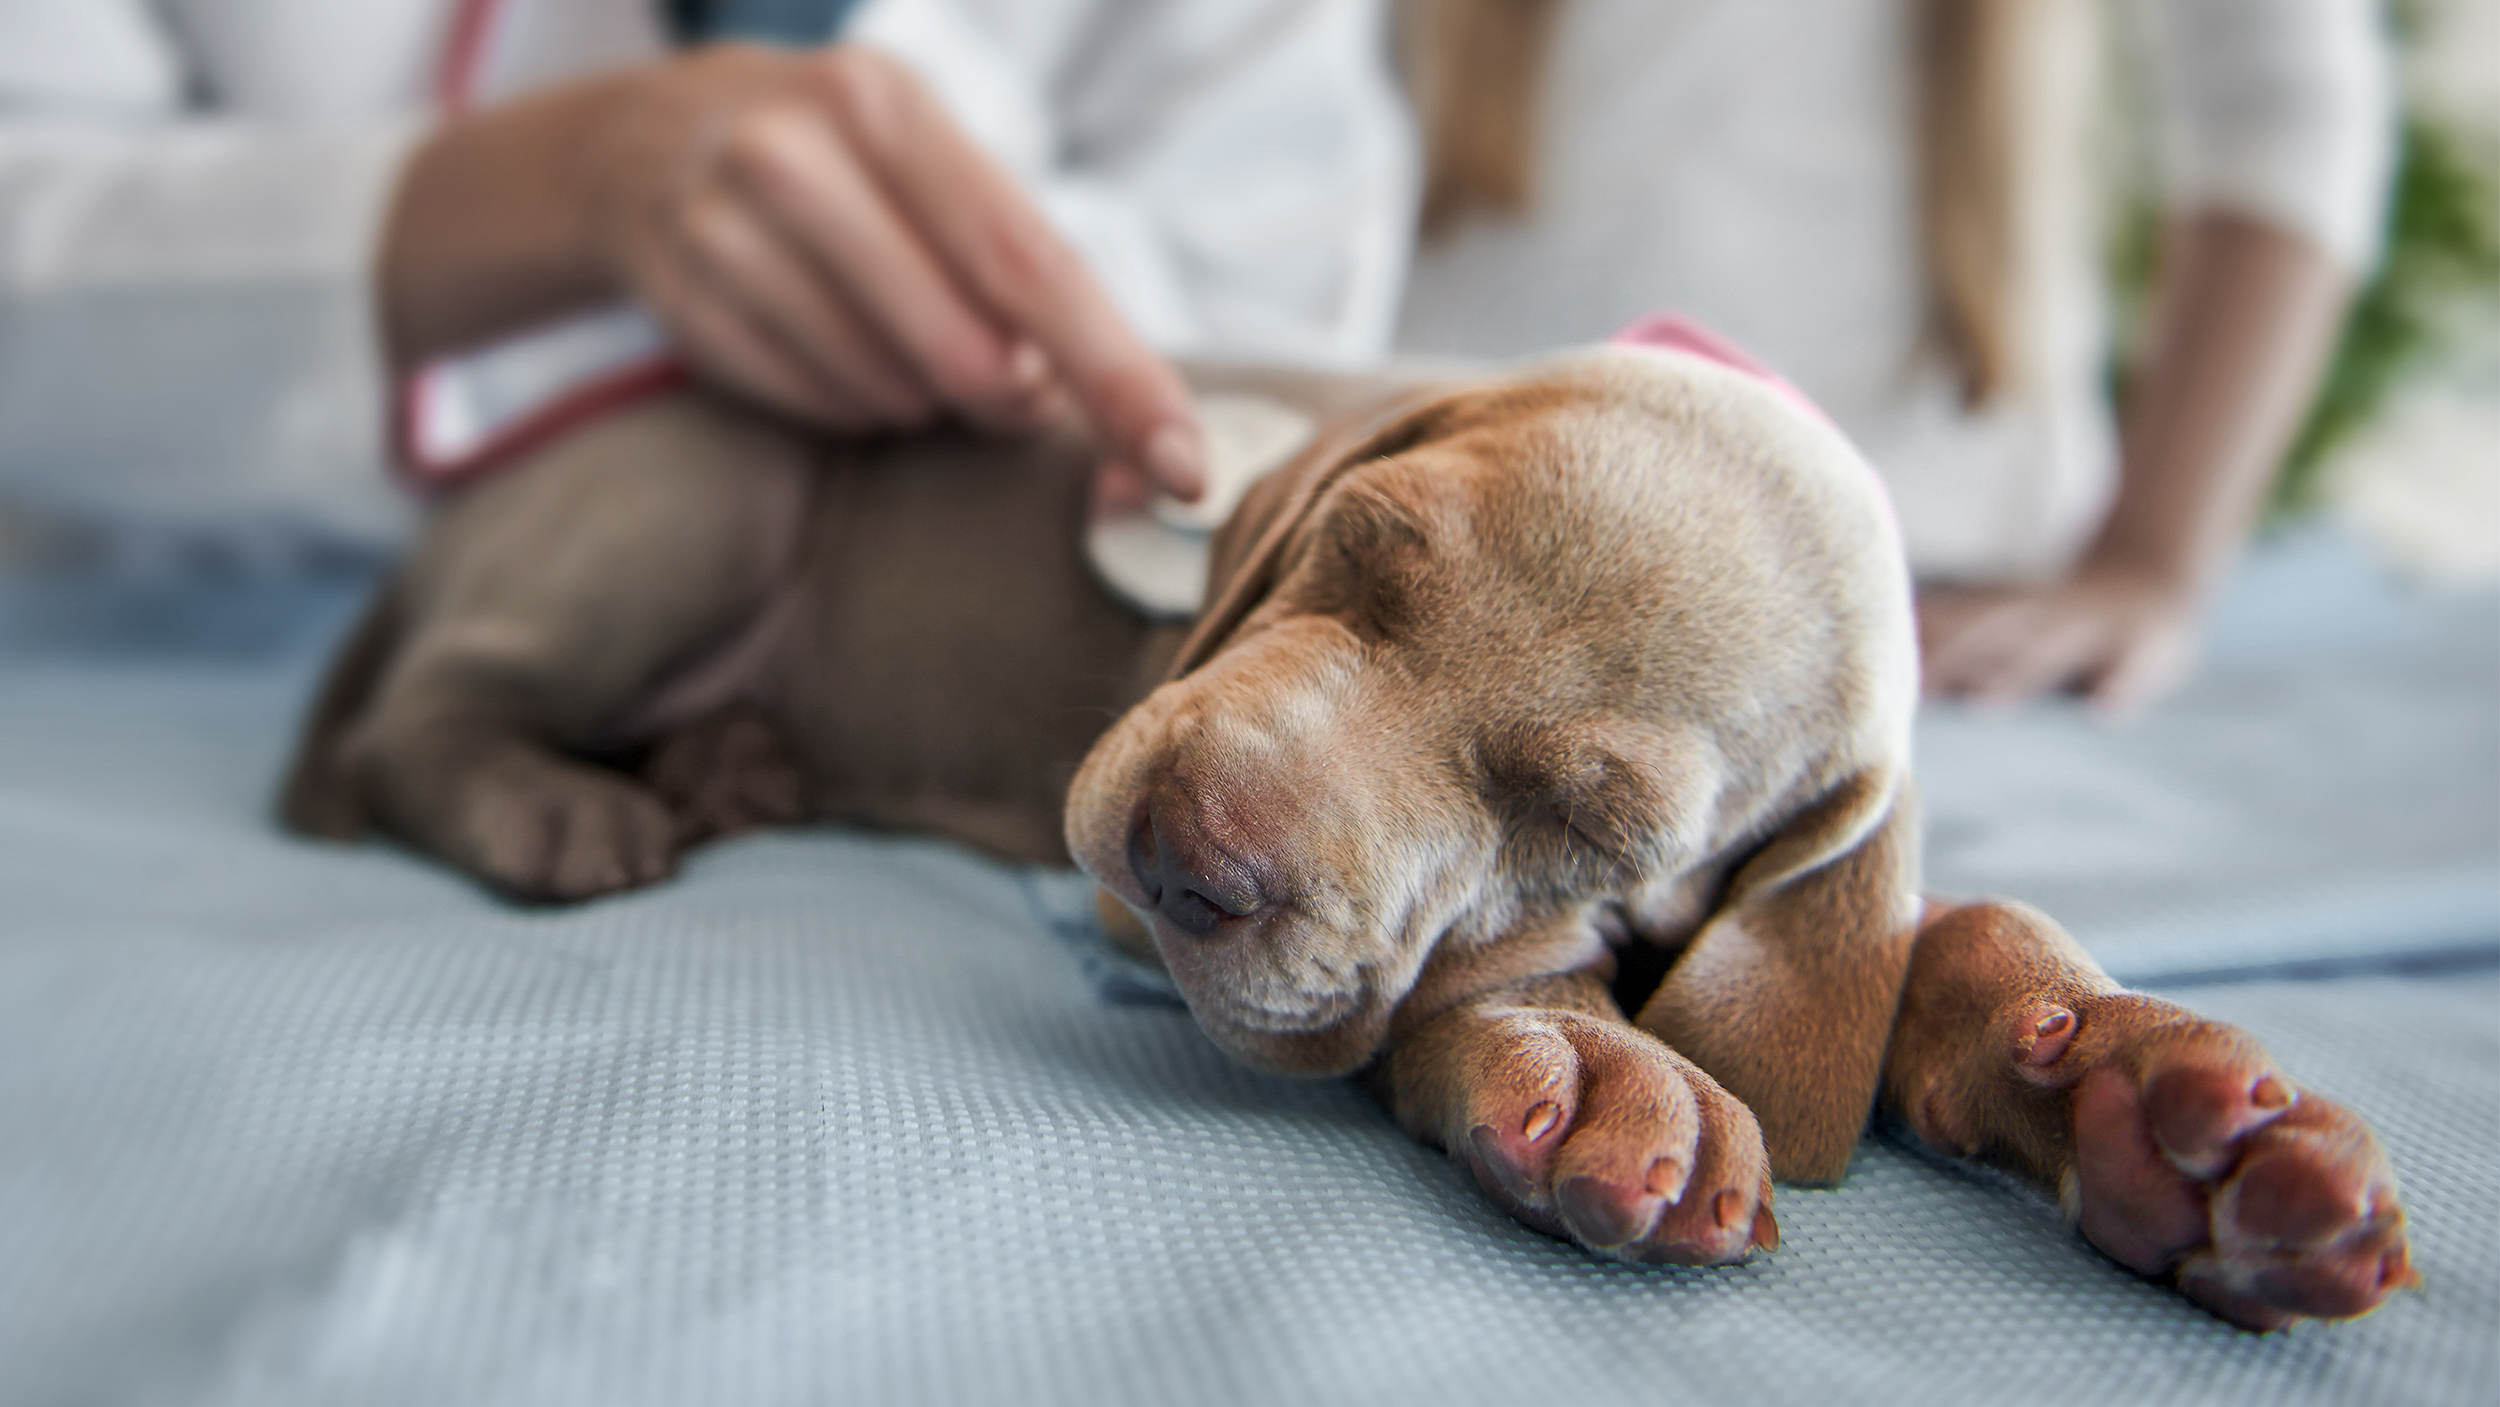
{"x": 544, "y": 610}
{"x": 2174, "y": 1143}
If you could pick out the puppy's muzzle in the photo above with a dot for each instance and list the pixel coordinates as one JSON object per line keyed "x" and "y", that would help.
{"x": 1186, "y": 873}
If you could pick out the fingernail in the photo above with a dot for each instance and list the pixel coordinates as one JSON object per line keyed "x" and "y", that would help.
{"x": 1119, "y": 492}
{"x": 1541, "y": 1121}
{"x": 1175, "y": 456}
{"x": 2270, "y": 1093}
{"x": 1027, "y": 367}
{"x": 2053, "y": 1023}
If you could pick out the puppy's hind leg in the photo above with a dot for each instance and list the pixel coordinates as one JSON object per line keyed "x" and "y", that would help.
{"x": 319, "y": 797}
{"x": 2175, "y": 1143}
{"x": 544, "y": 611}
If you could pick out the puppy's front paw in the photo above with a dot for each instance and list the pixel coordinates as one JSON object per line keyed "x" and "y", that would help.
{"x": 2194, "y": 1157}
{"x": 1595, "y": 1131}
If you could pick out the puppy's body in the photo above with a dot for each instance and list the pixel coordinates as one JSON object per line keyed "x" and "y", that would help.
{"x": 901, "y": 634}
{"x": 1493, "y": 680}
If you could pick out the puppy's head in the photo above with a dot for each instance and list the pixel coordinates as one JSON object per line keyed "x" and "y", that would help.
{"x": 1530, "y": 657}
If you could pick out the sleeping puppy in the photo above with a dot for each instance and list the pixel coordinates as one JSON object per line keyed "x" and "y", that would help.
{"x": 1515, "y": 706}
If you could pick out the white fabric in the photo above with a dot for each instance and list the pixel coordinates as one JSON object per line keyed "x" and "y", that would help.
{"x": 1240, "y": 171}
{"x": 1751, "y": 163}
{"x": 190, "y": 193}
{"x": 100, "y": 58}
{"x": 186, "y": 338}
{"x": 2278, "y": 108}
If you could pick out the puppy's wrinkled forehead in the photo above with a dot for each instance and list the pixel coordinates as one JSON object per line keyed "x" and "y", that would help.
{"x": 1621, "y": 532}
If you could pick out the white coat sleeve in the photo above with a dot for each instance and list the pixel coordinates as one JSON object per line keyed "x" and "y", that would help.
{"x": 1238, "y": 173}
{"x": 186, "y": 333}
{"x": 2283, "y": 109}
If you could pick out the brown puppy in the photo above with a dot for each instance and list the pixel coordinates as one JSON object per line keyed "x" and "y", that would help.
{"x": 1495, "y": 682}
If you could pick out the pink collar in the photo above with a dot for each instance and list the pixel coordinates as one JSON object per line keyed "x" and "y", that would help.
{"x": 1675, "y": 332}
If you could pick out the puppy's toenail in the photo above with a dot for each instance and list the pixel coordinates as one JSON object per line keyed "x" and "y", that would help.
{"x": 1599, "y": 1213}
{"x": 1766, "y": 1231}
{"x": 1666, "y": 1179}
{"x": 1728, "y": 1207}
{"x": 2270, "y": 1093}
{"x": 2047, "y": 1040}
{"x": 1540, "y": 1122}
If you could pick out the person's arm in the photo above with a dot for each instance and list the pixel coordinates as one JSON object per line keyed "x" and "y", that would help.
{"x": 2278, "y": 123}
{"x": 812, "y": 229}
{"x": 2244, "y": 314}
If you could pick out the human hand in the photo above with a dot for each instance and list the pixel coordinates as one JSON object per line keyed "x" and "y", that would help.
{"x": 817, "y": 234}
{"x": 2243, "y": 319}
{"x": 2120, "y": 638}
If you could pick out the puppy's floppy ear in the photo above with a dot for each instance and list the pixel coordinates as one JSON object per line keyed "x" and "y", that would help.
{"x": 1244, "y": 553}
{"x": 1787, "y": 994}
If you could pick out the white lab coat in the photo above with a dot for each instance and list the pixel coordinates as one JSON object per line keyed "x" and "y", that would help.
{"x": 191, "y": 190}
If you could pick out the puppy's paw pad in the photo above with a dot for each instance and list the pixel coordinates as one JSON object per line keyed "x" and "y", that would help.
{"x": 2196, "y": 1157}
{"x": 1511, "y": 1165}
{"x": 1726, "y": 1226}
{"x": 2122, "y": 1193}
{"x": 2200, "y": 1110}
{"x": 1596, "y": 1132}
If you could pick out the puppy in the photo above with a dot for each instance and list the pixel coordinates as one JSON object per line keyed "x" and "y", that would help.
{"x": 1515, "y": 706}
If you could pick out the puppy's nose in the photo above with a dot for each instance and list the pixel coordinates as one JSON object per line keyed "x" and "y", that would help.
{"x": 1195, "y": 883}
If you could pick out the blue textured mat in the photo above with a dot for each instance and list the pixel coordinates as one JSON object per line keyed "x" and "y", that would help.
{"x": 834, "y": 1119}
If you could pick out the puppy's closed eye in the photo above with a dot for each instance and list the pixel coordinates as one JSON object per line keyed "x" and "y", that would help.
{"x": 1571, "y": 806}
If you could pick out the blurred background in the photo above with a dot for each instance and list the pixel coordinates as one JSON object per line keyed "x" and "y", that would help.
{"x": 2404, "y": 442}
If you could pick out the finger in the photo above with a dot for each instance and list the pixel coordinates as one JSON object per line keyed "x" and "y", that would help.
{"x": 2057, "y": 656}
{"x": 2141, "y": 671}
{"x": 2017, "y": 648}
{"x": 1030, "y": 387}
{"x": 1971, "y": 640}
{"x": 716, "y": 337}
{"x": 1120, "y": 490}
{"x": 751, "y": 264}
{"x": 804, "y": 179}
{"x": 992, "y": 239}
{"x": 1941, "y": 616}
